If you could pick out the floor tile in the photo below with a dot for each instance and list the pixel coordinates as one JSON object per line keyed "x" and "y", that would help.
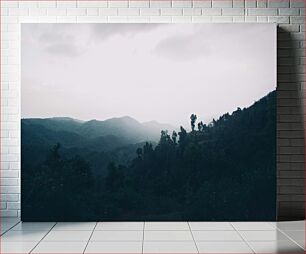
{"x": 290, "y": 225}
{"x": 23, "y": 236}
{"x": 216, "y": 236}
{"x": 33, "y": 226}
{"x": 211, "y": 226}
{"x": 114, "y": 247}
{"x": 120, "y": 226}
{"x": 223, "y": 247}
{"x": 5, "y": 226}
{"x": 68, "y": 236}
{"x": 169, "y": 247}
{"x": 17, "y": 247}
{"x": 63, "y": 226}
{"x": 276, "y": 247}
{"x": 168, "y": 236}
{"x": 60, "y": 247}
{"x": 99, "y": 236}
{"x": 274, "y": 235}
{"x": 297, "y": 235}
{"x": 252, "y": 226}
{"x": 166, "y": 226}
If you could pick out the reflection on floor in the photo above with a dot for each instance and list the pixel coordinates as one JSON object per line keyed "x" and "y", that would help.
{"x": 152, "y": 237}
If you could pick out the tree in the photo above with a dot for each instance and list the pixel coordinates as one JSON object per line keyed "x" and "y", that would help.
{"x": 139, "y": 152}
{"x": 201, "y": 126}
{"x": 193, "y": 119}
{"x": 174, "y": 136}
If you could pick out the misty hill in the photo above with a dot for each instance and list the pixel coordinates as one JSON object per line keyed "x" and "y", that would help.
{"x": 126, "y": 128}
{"x": 100, "y": 141}
{"x": 219, "y": 171}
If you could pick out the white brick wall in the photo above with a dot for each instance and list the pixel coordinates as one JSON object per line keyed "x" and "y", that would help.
{"x": 291, "y": 72}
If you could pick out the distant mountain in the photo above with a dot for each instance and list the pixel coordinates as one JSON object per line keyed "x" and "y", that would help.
{"x": 100, "y": 141}
{"x": 126, "y": 128}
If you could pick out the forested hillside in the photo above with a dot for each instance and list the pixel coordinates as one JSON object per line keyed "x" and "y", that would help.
{"x": 224, "y": 170}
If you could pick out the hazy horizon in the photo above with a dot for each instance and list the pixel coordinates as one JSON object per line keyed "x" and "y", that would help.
{"x": 150, "y": 72}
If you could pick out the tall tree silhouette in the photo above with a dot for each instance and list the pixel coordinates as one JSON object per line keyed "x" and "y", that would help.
{"x": 193, "y": 119}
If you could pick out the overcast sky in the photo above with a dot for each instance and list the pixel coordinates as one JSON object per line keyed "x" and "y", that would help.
{"x": 160, "y": 72}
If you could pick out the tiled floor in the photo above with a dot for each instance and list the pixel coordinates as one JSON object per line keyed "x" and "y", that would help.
{"x": 152, "y": 237}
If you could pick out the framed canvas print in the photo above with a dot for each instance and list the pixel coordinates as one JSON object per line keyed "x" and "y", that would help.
{"x": 156, "y": 122}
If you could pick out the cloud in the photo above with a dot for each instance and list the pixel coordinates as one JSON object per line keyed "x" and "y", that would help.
{"x": 184, "y": 46}
{"x": 64, "y": 49}
{"x": 181, "y": 48}
{"x": 105, "y": 31}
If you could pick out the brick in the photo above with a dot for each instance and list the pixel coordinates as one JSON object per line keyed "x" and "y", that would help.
{"x": 57, "y": 12}
{"x": 291, "y": 174}
{"x": 297, "y": 3}
{"x": 159, "y": 19}
{"x": 128, "y": 12}
{"x": 9, "y": 4}
{"x": 291, "y": 182}
{"x": 291, "y": 190}
{"x": 233, "y": 12}
{"x": 108, "y": 11}
{"x": 250, "y": 19}
{"x": 38, "y": 11}
{"x": 291, "y": 198}
{"x": 150, "y": 12}
{"x": 262, "y": 12}
{"x": 182, "y": 3}
{"x": 9, "y": 213}
{"x": 47, "y": 4}
{"x": 139, "y": 4}
{"x": 211, "y": 11}
{"x": 118, "y": 4}
{"x": 92, "y": 4}
{"x": 238, "y": 3}
{"x": 18, "y": 12}
{"x": 289, "y": 11}
{"x": 65, "y": 19}
{"x": 192, "y": 11}
{"x": 222, "y": 19}
{"x": 297, "y": 20}
{"x": 91, "y": 19}
{"x": 250, "y": 3}
{"x": 66, "y": 4}
{"x": 172, "y": 12}
{"x": 202, "y": 3}
{"x": 186, "y": 19}
{"x": 92, "y": 11}
{"x": 9, "y": 173}
{"x": 9, "y": 197}
{"x": 262, "y": 19}
{"x": 262, "y": 4}
{"x": 3, "y": 205}
{"x": 279, "y": 20}
{"x": 76, "y": 12}
{"x": 201, "y": 19}
{"x": 222, "y": 3}
{"x": 278, "y": 3}
{"x": 291, "y": 150}
{"x": 13, "y": 205}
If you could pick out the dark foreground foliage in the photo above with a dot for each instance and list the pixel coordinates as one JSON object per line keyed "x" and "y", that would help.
{"x": 222, "y": 171}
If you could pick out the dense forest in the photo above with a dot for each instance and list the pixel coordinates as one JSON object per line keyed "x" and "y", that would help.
{"x": 223, "y": 170}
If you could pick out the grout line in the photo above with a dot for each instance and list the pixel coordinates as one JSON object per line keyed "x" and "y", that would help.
{"x": 10, "y": 228}
{"x": 290, "y": 238}
{"x": 42, "y": 238}
{"x": 246, "y": 242}
{"x": 193, "y": 237}
{"x": 143, "y": 232}
{"x": 90, "y": 237}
